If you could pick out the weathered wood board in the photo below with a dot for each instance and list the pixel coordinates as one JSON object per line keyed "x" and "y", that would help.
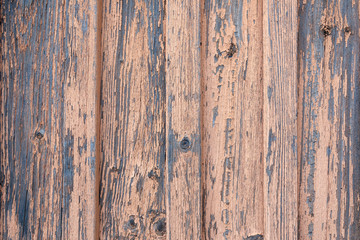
{"x": 183, "y": 136}
{"x": 132, "y": 187}
{"x": 47, "y": 119}
{"x": 181, "y": 119}
{"x": 280, "y": 42}
{"x": 328, "y": 120}
{"x": 232, "y": 154}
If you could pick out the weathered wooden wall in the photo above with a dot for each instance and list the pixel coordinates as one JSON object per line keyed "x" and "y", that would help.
{"x": 179, "y": 119}
{"x": 48, "y": 120}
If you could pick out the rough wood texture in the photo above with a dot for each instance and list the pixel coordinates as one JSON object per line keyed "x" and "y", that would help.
{"x": 232, "y": 140}
{"x": 47, "y": 119}
{"x": 132, "y": 194}
{"x": 183, "y": 119}
{"x": 280, "y": 118}
{"x": 329, "y": 117}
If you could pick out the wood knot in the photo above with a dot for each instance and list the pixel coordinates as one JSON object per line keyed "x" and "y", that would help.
{"x": 185, "y": 143}
{"x": 158, "y": 223}
{"x": 347, "y": 29}
{"x": 326, "y": 30}
{"x": 39, "y": 134}
{"x": 154, "y": 174}
{"x": 132, "y": 227}
{"x": 232, "y": 50}
{"x": 160, "y": 227}
{"x": 131, "y": 223}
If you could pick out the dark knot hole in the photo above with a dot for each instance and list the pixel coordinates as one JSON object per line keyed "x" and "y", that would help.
{"x": 185, "y": 143}
{"x": 160, "y": 227}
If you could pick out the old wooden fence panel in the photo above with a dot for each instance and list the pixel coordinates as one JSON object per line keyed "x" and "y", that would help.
{"x": 132, "y": 193}
{"x": 279, "y": 119}
{"x": 183, "y": 119}
{"x": 329, "y": 170}
{"x": 179, "y": 119}
{"x": 48, "y": 120}
{"x": 232, "y": 119}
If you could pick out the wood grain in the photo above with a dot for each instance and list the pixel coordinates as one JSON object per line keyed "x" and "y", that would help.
{"x": 183, "y": 119}
{"x": 47, "y": 119}
{"x": 232, "y": 138}
{"x": 132, "y": 196}
{"x": 280, "y": 28}
{"x": 329, "y": 95}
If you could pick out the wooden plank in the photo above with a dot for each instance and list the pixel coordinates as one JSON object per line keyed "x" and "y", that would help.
{"x": 329, "y": 89}
{"x": 132, "y": 195}
{"x": 280, "y": 33}
{"x": 232, "y": 142}
{"x": 47, "y": 120}
{"x": 183, "y": 119}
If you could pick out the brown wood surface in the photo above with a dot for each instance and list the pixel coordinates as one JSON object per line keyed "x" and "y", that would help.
{"x": 329, "y": 120}
{"x": 183, "y": 189}
{"x": 280, "y": 119}
{"x": 179, "y": 119}
{"x": 132, "y": 194}
{"x": 232, "y": 140}
{"x": 47, "y": 120}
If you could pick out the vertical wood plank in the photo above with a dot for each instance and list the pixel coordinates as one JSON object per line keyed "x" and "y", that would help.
{"x": 183, "y": 119}
{"x": 47, "y": 120}
{"x": 329, "y": 89}
{"x": 132, "y": 194}
{"x": 280, "y": 118}
{"x": 232, "y": 140}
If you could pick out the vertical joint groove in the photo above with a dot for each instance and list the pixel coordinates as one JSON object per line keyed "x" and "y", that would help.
{"x": 202, "y": 86}
{"x": 98, "y": 115}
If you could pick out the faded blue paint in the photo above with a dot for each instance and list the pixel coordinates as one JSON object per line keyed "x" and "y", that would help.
{"x": 84, "y": 23}
{"x": 331, "y": 112}
{"x": 228, "y": 134}
{"x": 30, "y": 160}
{"x": 341, "y": 63}
{"x": 215, "y": 114}
{"x": 313, "y": 53}
{"x": 270, "y": 166}
{"x": 269, "y": 93}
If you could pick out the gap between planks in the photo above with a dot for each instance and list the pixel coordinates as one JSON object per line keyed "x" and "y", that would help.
{"x": 98, "y": 116}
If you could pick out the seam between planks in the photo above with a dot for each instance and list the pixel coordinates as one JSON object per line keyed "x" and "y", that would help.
{"x": 299, "y": 124}
{"x": 203, "y": 185}
{"x": 263, "y": 162}
{"x": 98, "y": 66}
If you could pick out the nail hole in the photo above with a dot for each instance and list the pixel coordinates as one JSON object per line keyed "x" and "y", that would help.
{"x": 347, "y": 29}
{"x": 39, "y": 134}
{"x": 185, "y": 143}
{"x": 160, "y": 227}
